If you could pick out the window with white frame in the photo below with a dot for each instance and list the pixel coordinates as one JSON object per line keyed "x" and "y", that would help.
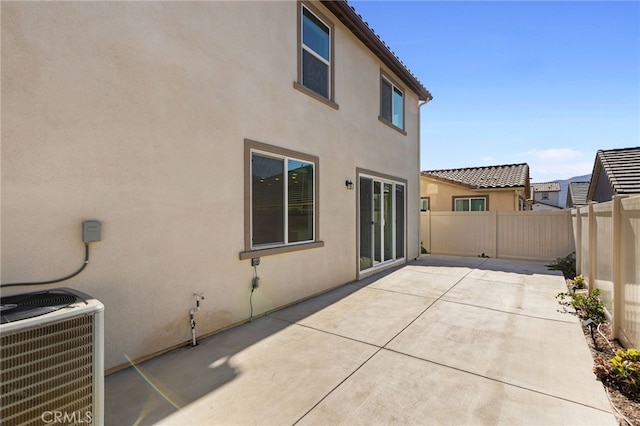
{"x": 391, "y": 103}
{"x": 470, "y": 204}
{"x": 424, "y": 204}
{"x": 315, "y": 53}
{"x": 283, "y": 199}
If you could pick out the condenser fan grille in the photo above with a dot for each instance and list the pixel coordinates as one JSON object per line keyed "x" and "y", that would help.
{"x": 19, "y": 307}
{"x": 48, "y": 369}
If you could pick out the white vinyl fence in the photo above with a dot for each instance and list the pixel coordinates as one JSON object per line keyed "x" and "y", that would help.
{"x": 605, "y": 237}
{"x": 540, "y": 236}
{"x": 608, "y": 240}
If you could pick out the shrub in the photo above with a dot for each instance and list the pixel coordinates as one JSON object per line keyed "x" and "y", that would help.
{"x": 422, "y": 249}
{"x": 623, "y": 370}
{"x": 585, "y": 306}
{"x": 578, "y": 282}
{"x": 565, "y": 264}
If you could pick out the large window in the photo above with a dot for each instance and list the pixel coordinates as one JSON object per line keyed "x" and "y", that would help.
{"x": 470, "y": 204}
{"x": 315, "y": 53}
{"x": 282, "y": 200}
{"x": 391, "y": 103}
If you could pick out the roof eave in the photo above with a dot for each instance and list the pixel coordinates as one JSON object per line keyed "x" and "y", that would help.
{"x": 348, "y": 16}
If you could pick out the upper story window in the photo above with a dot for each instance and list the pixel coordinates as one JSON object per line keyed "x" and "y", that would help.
{"x": 315, "y": 55}
{"x": 470, "y": 204}
{"x": 391, "y": 102}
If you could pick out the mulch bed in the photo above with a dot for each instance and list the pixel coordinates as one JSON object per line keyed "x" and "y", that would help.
{"x": 626, "y": 407}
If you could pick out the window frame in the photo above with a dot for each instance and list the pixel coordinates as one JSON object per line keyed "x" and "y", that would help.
{"x": 394, "y": 86}
{"x": 330, "y": 100}
{"x": 251, "y": 251}
{"x": 485, "y": 198}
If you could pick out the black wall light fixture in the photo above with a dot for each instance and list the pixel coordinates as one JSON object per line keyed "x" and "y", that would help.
{"x": 348, "y": 184}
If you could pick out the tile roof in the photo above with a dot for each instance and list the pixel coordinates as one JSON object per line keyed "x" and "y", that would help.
{"x": 622, "y": 168}
{"x": 578, "y": 192}
{"x": 545, "y": 186}
{"x": 501, "y": 176}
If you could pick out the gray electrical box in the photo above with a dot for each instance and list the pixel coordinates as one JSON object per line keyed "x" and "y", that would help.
{"x": 91, "y": 231}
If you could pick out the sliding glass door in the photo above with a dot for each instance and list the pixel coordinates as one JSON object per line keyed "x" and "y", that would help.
{"x": 382, "y": 221}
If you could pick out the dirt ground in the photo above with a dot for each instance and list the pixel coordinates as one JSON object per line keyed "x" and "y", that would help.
{"x": 626, "y": 408}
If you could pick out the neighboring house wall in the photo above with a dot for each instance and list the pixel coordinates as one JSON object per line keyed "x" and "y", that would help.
{"x": 603, "y": 190}
{"x": 138, "y": 114}
{"x": 544, "y": 207}
{"x": 441, "y": 195}
{"x": 548, "y": 197}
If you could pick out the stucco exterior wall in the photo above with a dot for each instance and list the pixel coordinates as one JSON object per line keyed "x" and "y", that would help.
{"x": 441, "y": 195}
{"x": 135, "y": 114}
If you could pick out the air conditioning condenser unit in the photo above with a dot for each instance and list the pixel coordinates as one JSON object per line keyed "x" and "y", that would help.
{"x": 52, "y": 358}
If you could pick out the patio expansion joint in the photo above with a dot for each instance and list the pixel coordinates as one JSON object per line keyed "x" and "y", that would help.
{"x": 326, "y": 332}
{"x": 378, "y": 347}
{"x": 338, "y": 385}
{"x": 430, "y": 305}
{"x": 508, "y": 312}
{"x": 495, "y": 380}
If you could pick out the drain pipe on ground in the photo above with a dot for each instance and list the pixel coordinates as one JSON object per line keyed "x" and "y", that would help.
{"x": 193, "y": 310}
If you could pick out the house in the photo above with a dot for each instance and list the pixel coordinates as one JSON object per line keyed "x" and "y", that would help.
{"x": 215, "y": 142}
{"x": 615, "y": 172}
{"x": 487, "y": 188}
{"x": 546, "y": 196}
{"x": 577, "y": 194}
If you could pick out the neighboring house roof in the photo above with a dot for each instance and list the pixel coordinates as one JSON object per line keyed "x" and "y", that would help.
{"x": 545, "y": 187}
{"x": 622, "y": 169}
{"x": 501, "y": 176}
{"x": 354, "y": 22}
{"x": 577, "y": 194}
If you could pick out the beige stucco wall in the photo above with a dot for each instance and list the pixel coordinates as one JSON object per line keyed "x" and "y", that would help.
{"x": 441, "y": 195}
{"x": 135, "y": 113}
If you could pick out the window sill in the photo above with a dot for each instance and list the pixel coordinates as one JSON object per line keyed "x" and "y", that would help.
{"x": 393, "y": 126}
{"x": 315, "y": 95}
{"x": 252, "y": 254}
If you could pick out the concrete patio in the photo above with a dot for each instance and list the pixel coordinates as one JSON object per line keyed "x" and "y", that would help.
{"x": 441, "y": 340}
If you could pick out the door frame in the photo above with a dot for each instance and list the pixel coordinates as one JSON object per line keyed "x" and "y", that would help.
{"x": 384, "y": 178}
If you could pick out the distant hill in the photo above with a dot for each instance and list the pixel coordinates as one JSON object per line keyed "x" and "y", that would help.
{"x": 564, "y": 185}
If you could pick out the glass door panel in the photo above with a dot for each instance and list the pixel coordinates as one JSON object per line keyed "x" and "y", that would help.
{"x": 387, "y": 220}
{"x": 399, "y": 221}
{"x": 366, "y": 223}
{"x": 377, "y": 222}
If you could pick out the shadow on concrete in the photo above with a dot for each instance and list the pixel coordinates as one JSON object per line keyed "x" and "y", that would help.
{"x": 151, "y": 391}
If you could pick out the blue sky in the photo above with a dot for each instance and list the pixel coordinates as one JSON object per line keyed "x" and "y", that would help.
{"x": 543, "y": 82}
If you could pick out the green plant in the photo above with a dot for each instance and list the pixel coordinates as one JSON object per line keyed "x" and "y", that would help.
{"x": 579, "y": 282}
{"x": 565, "y": 264}
{"x": 422, "y": 249}
{"x": 585, "y": 306}
{"x": 623, "y": 370}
